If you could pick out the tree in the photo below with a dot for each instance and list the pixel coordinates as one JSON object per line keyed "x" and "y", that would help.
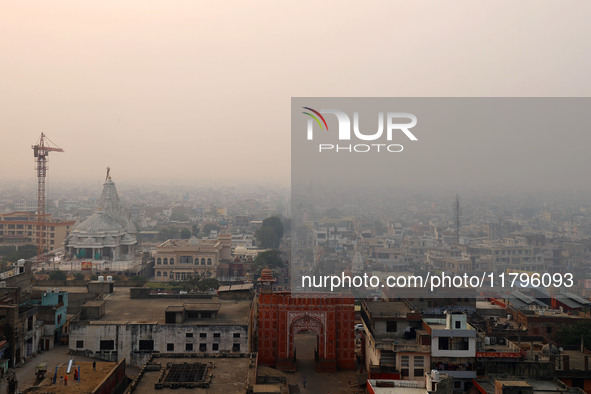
{"x": 185, "y": 233}
{"x": 78, "y": 276}
{"x": 270, "y": 233}
{"x": 570, "y": 334}
{"x": 269, "y": 259}
{"x": 168, "y": 233}
{"x": 58, "y": 275}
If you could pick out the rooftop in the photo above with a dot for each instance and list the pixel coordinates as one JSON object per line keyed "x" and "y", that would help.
{"x": 231, "y": 375}
{"x": 89, "y": 378}
{"x": 120, "y": 308}
{"x": 387, "y": 309}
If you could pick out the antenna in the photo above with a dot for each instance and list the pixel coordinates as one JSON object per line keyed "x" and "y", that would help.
{"x": 457, "y": 214}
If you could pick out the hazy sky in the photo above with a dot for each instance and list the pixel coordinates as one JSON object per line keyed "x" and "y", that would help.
{"x": 200, "y": 90}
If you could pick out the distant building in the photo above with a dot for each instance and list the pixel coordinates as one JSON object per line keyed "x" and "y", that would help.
{"x": 177, "y": 259}
{"x": 21, "y": 228}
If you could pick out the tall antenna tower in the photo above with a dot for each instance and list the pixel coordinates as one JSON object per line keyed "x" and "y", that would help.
{"x": 457, "y": 214}
{"x": 40, "y": 152}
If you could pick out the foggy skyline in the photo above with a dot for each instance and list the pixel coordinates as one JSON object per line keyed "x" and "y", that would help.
{"x": 188, "y": 91}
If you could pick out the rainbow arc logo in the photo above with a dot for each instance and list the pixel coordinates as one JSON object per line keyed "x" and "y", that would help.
{"x": 316, "y": 118}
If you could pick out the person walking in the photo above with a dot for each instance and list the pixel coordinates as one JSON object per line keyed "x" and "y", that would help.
{"x": 66, "y": 380}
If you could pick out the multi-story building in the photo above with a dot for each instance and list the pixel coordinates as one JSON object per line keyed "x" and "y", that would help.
{"x": 391, "y": 346}
{"x": 177, "y": 259}
{"x": 21, "y": 228}
{"x": 136, "y": 328}
{"x": 453, "y": 348}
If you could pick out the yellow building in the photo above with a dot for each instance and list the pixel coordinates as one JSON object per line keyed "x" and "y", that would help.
{"x": 176, "y": 259}
{"x": 21, "y": 228}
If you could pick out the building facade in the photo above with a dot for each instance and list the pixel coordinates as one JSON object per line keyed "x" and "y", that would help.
{"x": 178, "y": 259}
{"x": 21, "y": 228}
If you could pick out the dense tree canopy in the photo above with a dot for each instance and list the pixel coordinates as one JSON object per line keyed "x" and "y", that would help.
{"x": 571, "y": 334}
{"x": 269, "y": 259}
{"x": 270, "y": 233}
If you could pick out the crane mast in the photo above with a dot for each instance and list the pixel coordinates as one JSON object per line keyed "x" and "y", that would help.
{"x": 40, "y": 152}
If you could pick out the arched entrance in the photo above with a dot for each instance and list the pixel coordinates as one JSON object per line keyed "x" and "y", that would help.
{"x": 330, "y": 319}
{"x": 307, "y": 323}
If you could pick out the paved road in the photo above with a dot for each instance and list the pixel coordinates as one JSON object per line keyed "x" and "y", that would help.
{"x": 317, "y": 383}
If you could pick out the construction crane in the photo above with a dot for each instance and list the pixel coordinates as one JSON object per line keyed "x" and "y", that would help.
{"x": 40, "y": 152}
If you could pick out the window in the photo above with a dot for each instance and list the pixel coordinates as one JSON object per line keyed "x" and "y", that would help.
{"x": 391, "y": 326}
{"x": 202, "y": 261}
{"x": 419, "y": 361}
{"x": 170, "y": 347}
{"x": 209, "y": 261}
{"x": 203, "y": 335}
{"x": 443, "y": 343}
{"x": 458, "y": 324}
{"x": 549, "y": 330}
{"x": 236, "y": 347}
{"x": 236, "y": 335}
{"x": 202, "y": 347}
{"x": 186, "y": 260}
{"x": 419, "y": 372}
{"x": 189, "y": 335}
{"x": 165, "y": 274}
{"x": 79, "y": 344}
{"x": 165, "y": 261}
{"x": 460, "y": 344}
{"x": 158, "y": 273}
{"x": 404, "y": 361}
{"x": 404, "y": 372}
{"x": 189, "y": 347}
{"x": 158, "y": 261}
{"x": 216, "y": 335}
{"x": 146, "y": 345}
{"x": 215, "y": 346}
{"x": 107, "y": 345}
{"x": 172, "y": 261}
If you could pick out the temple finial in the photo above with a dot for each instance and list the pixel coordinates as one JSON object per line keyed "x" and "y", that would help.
{"x": 108, "y": 172}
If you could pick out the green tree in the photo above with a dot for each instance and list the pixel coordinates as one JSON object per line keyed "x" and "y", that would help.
{"x": 78, "y": 276}
{"x": 185, "y": 233}
{"x": 571, "y": 334}
{"x": 168, "y": 233}
{"x": 270, "y": 233}
{"x": 58, "y": 275}
{"x": 269, "y": 259}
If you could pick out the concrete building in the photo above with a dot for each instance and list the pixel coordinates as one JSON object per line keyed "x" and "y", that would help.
{"x": 453, "y": 348}
{"x": 391, "y": 346}
{"x": 135, "y": 328}
{"x": 21, "y": 228}
{"x": 177, "y": 259}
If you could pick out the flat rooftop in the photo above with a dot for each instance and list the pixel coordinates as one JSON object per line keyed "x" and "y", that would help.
{"x": 387, "y": 309}
{"x": 89, "y": 378}
{"x": 120, "y": 308}
{"x": 230, "y": 376}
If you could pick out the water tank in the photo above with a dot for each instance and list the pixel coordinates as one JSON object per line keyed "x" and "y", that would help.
{"x": 509, "y": 317}
{"x": 101, "y": 278}
{"x": 3, "y": 284}
{"x": 21, "y": 263}
{"x": 110, "y": 279}
{"x": 435, "y": 375}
